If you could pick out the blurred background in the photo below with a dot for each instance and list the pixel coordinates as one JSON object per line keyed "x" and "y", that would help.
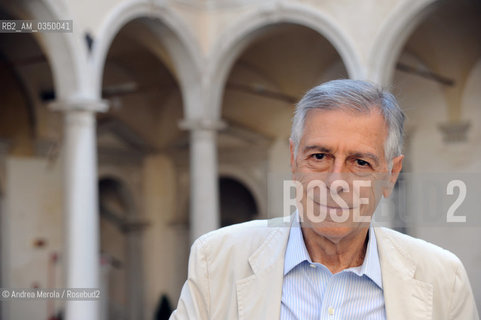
{"x": 154, "y": 122}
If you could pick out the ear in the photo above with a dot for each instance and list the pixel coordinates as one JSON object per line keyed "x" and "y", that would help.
{"x": 293, "y": 157}
{"x": 397, "y": 164}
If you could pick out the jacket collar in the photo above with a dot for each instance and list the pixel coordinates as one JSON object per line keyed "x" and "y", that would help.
{"x": 259, "y": 295}
{"x": 405, "y": 297}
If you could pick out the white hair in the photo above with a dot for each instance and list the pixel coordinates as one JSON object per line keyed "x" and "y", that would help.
{"x": 353, "y": 95}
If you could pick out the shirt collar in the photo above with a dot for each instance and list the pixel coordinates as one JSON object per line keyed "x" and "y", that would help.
{"x": 296, "y": 253}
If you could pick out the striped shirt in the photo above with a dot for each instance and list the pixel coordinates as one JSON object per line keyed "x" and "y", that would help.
{"x": 311, "y": 291}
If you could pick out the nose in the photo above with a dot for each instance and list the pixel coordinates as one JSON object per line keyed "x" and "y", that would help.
{"x": 337, "y": 172}
{"x": 338, "y": 187}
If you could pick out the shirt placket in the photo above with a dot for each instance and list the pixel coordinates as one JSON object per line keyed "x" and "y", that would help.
{"x": 332, "y": 299}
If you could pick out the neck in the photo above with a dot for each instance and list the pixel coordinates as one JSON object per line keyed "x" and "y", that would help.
{"x": 336, "y": 254}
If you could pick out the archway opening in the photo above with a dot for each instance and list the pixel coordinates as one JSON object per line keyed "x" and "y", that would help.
{"x": 237, "y": 203}
{"x": 433, "y": 70}
{"x": 272, "y": 74}
{"x": 140, "y": 83}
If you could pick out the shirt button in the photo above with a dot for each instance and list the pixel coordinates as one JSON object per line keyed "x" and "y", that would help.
{"x": 312, "y": 265}
{"x": 330, "y": 310}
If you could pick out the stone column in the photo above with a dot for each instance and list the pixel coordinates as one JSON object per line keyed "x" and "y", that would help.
{"x": 82, "y": 248}
{"x": 133, "y": 232}
{"x": 204, "y": 191}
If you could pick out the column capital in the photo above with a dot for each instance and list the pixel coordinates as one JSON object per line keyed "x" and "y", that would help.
{"x": 92, "y": 105}
{"x": 134, "y": 226}
{"x": 455, "y": 131}
{"x": 202, "y": 124}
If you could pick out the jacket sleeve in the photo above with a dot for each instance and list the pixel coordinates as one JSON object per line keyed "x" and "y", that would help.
{"x": 462, "y": 305}
{"x": 194, "y": 301}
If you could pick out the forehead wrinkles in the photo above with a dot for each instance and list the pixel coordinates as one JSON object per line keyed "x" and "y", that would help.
{"x": 354, "y": 133}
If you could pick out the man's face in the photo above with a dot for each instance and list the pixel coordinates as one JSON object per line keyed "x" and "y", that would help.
{"x": 342, "y": 168}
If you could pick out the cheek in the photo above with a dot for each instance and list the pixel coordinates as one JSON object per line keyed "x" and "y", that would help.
{"x": 367, "y": 196}
{"x": 307, "y": 177}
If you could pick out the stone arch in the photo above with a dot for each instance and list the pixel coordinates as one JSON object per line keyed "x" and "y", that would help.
{"x": 393, "y": 35}
{"x": 172, "y": 33}
{"x": 239, "y": 35}
{"x": 66, "y": 54}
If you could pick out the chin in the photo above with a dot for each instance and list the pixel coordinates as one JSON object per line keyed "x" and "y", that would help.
{"x": 333, "y": 231}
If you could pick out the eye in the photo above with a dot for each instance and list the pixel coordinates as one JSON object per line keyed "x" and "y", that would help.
{"x": 362, "y": 163}
{"x": 319, "y": 156}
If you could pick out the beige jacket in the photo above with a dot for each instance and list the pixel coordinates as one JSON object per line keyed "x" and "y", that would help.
{"x": 237, "y": 272}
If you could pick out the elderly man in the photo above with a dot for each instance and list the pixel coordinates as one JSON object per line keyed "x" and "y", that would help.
{"x": 328, "y": 261}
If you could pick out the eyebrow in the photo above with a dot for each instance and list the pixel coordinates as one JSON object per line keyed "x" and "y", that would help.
{"x": 367, "y": 155}
{"x": 316, "y": 148}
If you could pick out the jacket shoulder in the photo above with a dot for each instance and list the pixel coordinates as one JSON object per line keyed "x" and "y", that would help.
{"x": 243, "y": 237}
{"x": 425, "y": 255}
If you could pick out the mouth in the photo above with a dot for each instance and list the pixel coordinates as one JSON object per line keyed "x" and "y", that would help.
{"x": 328, "y": 207}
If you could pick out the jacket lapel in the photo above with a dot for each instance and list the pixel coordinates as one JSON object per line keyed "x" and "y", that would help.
{"x": 259, "y": 295}
{"x": 405, "y": 297}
